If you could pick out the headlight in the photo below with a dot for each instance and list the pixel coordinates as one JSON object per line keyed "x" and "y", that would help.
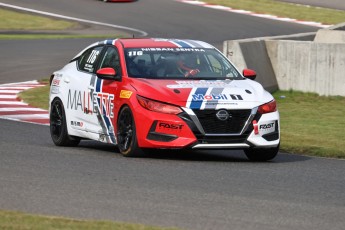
{"x": 157, "y": 106}
{"x": 268, "y": 107}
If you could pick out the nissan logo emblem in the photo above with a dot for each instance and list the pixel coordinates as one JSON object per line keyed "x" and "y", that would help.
{"x": 223, "y": 115}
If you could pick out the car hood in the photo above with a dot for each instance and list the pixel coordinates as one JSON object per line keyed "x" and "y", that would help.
{"x": 204, "y": 94}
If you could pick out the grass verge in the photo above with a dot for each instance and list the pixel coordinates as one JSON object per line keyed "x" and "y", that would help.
{"x": 18, "y": 220}
{"x": 13, "y": 20}
{"x": 310, "y": 124}
{"x": 282, "y": 9}
{"x": 37, "y": 97}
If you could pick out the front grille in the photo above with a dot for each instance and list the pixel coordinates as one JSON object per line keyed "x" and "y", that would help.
{"x": 212, "y": 125}
{"x": 222, "y": 139}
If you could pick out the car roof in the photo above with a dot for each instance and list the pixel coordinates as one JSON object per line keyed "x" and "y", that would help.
{"x": 163, "y": 42}
{"x": 152, "y": 43}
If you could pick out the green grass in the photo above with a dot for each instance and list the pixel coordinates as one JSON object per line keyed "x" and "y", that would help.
{"x": 23, "y": 23}
{"x": 12, "y": 20}
{"x": 316, "y": 14}
{"x": 37, "y": 97}
{"x": 312, "y": 124}
{"x": 20, "y": 221}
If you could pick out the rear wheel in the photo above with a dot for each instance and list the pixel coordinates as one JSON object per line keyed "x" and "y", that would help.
{"x": 261, "y": 154}
{"x": 126, "y": 134}
{"x": 58, "y": 126}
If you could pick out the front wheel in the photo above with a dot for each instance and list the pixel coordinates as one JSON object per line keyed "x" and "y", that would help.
{"x": 261, "y": 154}
{"x": 58, "y": 126}
{"x": 126, "y": 134}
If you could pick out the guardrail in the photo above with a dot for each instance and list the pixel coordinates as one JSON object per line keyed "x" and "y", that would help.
{"x": 309, "y": 62}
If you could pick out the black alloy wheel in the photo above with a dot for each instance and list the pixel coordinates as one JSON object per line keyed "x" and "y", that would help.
{"x": 126, "y": 134}
{"x": 58, "y": 126}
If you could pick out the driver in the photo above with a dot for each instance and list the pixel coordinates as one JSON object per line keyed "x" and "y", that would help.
{"x": 187, "y": 65}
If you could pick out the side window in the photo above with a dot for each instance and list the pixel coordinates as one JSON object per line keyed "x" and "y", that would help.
{"x": 215, "y": 64}
{"x": 87, "y": 61}
{"x": 111, "y": 59}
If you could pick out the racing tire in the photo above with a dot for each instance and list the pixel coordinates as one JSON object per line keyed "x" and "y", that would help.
{"x": 261, "y": 154}
{"x": 58, "y": 126}
{"x": 126, "y": 134}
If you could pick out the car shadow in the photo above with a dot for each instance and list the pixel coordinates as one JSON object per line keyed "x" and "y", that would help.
{"x": 195, "y": 155}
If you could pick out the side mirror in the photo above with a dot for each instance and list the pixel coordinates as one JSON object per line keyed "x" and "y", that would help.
{"x": 107, "y": 74}
{"x": 250, "y": 74}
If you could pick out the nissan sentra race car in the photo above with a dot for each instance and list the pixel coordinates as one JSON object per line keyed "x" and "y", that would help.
{"x": 146, "y": 93}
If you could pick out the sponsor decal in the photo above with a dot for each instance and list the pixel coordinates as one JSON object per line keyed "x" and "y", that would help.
{"x": 77, "y": 123}
{"x": 202, "y": 97}
{"x": 104, "y": 106}
{"x": 56, "y": 82}
{"x": 267, "y": 127}
{"x": 54, "y": 89}
{"x": 125, "y": 94}
{"x": 55, "y": 86}
{"x": 169, "y": 127}
{"x": 88, "y": 103}
{"x": 200, "y": 84}
{"x": 166, "y": 49}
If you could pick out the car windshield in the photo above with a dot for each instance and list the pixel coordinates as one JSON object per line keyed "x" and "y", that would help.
{"x": 176, "y": 63}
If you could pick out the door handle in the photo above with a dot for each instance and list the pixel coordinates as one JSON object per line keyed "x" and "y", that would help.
{"x": 66, "y": 79}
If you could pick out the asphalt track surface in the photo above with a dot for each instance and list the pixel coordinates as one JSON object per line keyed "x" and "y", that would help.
{"x": 204, "y": 190}
{"x": 332, "y": 4}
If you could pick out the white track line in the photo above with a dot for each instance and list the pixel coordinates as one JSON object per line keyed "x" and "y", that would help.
{"x": 272, "y": 17}
{"x": 17, "y": 110}
{"x": 26, "y": 116}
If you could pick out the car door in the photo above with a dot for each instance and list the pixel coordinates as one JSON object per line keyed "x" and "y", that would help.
{"x": 80, "y": 104}
{"x": 103, "y": 93}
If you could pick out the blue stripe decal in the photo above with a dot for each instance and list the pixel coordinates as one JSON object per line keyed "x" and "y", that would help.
{"x": 109, "y": 42}
{"x": 109, "y": 131}
{"x": 182, "y": 44}
{"x": 98, "y": 85}
{"x": 196, "y": 104}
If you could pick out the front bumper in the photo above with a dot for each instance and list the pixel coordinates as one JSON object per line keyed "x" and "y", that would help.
{"x": 192, "y": 130}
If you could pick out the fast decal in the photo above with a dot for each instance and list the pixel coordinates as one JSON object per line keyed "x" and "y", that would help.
{"x": 125, "y": 94}
{"x": 267, "y": 127}
{"x": 169, "y": 128}
{"x": 164, "y": 125}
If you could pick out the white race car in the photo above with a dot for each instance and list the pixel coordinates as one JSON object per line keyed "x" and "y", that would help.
{"x": 143, "y": 94}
